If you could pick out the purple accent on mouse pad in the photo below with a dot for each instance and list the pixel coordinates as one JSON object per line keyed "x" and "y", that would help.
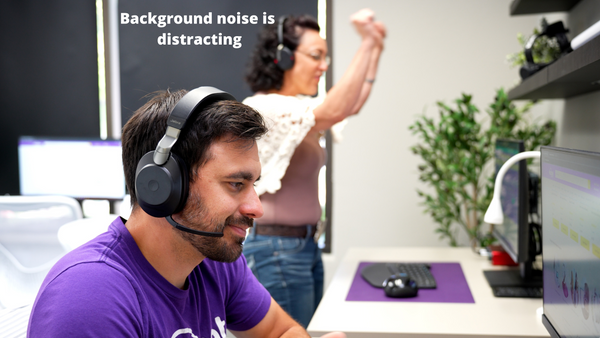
{"x": 452, "y": 287}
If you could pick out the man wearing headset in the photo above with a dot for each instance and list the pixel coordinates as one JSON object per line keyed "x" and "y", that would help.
{"x": 174, "y": 268}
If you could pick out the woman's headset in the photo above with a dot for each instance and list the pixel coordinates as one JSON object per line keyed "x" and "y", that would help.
{"x": 284, "y": 56}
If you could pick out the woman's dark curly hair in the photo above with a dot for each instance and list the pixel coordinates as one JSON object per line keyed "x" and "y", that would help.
{"x": 262, "y": 73}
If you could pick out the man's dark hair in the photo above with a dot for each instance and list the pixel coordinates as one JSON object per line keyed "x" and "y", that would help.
{"x": 147, "y": 126}
{"x": 262, "y": 73}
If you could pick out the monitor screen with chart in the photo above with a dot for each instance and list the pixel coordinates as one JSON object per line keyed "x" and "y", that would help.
{"x": 571, "y": 241}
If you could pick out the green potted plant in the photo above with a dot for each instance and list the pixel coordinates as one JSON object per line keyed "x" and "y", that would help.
{"x": 455, "y": 150}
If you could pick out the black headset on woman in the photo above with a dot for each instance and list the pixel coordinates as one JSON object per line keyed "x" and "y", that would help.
{"x": 284, "y": 56}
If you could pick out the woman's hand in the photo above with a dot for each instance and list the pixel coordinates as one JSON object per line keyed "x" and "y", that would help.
{"x": 363, "y": 22}
{"x": 381, "y": 33}
{"x": 349, "y": 94}
{"x": 367, "y": 27}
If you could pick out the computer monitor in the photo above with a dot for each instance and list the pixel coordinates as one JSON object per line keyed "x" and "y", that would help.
{"x": 78, "y": 168}
{"x": 571, "y": 242}
{"x": 516, "y": 234}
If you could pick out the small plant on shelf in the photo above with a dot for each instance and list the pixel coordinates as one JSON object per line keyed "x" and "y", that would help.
{"x": 455, "y": 150}
{"x": 545, "y": 49}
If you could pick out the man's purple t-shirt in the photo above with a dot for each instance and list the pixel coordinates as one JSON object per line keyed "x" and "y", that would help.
{"x": 107, "y": 288}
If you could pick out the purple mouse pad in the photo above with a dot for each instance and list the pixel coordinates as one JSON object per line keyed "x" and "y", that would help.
{"x": 452, "y": 287}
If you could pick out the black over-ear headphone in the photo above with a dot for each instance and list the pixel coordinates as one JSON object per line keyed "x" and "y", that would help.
{"x": 161, "y": 178}
{"x": 284, "y": 56}
{"x": 556, "y": 30}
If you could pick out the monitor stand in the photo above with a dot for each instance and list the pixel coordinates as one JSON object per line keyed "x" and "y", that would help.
{"x": 511, "y": 277}
{"x": 524, "y": 276}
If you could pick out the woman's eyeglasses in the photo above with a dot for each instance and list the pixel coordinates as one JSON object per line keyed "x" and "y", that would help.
{"x": 317, "y": 56}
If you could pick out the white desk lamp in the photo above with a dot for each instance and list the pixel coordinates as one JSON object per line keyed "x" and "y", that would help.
{"x": 494, "y": 214}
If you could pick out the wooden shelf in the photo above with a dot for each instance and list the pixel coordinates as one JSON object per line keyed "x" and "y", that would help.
{"x": 574, "y": 74}
{"x": 518, "y": 7}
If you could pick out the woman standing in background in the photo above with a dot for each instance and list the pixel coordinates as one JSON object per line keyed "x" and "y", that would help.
{"x": 284, "y": 72}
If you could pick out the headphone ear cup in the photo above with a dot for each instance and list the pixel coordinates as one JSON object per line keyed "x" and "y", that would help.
{"x": 161, "y": 190}
{"x": 285, "y": 58}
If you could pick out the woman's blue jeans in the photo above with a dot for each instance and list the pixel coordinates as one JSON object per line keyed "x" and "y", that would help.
{"x": 291, "y": 270}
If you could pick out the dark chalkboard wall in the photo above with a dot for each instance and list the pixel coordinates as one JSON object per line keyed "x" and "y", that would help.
{"x": 147, "y": 66}
{"x": 48, "y": 75}
{"x": 49, "y": 72}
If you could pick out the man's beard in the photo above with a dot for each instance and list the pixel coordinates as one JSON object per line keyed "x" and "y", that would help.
{"x": 196, "y": 216}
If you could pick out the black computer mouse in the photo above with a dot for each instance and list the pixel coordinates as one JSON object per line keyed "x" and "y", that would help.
{"x": 400, "y": 286}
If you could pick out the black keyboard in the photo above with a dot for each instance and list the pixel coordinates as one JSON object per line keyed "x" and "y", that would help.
{"x": 376, "y": 274}
{"x": 518, "y": 291}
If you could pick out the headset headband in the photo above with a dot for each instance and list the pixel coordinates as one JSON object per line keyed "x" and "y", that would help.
{"x": 180, "y": 114}
{"x": 280, "y": 30}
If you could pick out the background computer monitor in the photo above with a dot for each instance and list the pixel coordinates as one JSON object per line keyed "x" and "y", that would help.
{"x": 571, "y": 242}
{"x": 79, "y": 168}
{"x": 516, "y": 233}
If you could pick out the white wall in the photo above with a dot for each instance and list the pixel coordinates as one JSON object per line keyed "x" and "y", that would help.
{"x": 435, "y": 50}
{"x": 580, "y": 121}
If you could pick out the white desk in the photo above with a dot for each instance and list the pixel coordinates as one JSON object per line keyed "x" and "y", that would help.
{"x": 488, "y": 316}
